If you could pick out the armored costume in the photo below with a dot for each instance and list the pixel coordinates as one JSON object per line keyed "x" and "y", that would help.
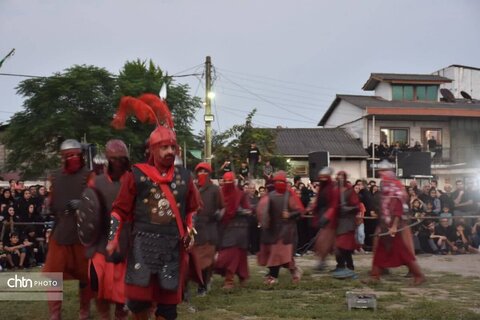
{"x": 345, "y": 242}
{"x": 325, "y": 208}
{"x": 233, "y": 245}
{"x": 65, "y": 252}
{"x": 160, "y": 199}
{"x": 206, "y": 223}
{"x": 106, "y": 272}
{"x": 277, "y": 213}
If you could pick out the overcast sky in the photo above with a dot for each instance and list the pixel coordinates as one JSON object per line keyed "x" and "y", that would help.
{"x": 288, "y": 59}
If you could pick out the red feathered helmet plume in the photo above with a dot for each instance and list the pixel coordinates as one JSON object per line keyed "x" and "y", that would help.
{"x": 148, "y": 108}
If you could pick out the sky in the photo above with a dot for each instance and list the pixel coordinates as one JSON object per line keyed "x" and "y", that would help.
{"x": 287, "y": 59}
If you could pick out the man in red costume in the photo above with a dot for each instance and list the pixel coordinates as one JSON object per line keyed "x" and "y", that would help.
{"x": 206, "y": 224}
{"x": 278, "y": 212}
{"x": 395, "y": 244}
{"x": 233, "y": 245}
{"x": 161, "y": 200}
{"x": 107, "y": 273}
{"x": 325, "y": 208}
{"x": 345, "y": 242}
{"x": 65, "y": 252}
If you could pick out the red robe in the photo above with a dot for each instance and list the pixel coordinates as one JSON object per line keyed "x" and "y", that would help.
{"x": 111, "y": 276}
{"x": 124, "y": 205}
{"x": 233, "y": 259}
{"x": 394, "y": 251}
{"x": 347, "y": 240}
{"x": 326, "y": 237}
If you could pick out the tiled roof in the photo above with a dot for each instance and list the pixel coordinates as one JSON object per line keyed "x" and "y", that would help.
{"x": 376, "y": 78}
{"x": 302, "y": 141}
{"x": 460, "y": 108}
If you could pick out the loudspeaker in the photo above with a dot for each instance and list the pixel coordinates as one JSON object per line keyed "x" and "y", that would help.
{"x": 414, "y": 164}
{"x": 316, "y": 162}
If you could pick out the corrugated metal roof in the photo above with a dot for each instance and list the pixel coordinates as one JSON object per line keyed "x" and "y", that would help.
{"x": 302, "y": 141}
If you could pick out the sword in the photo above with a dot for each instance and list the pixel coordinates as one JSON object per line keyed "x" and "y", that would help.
{"x": 398, "y": 230}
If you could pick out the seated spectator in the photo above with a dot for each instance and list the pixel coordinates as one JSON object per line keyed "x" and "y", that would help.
{"x": 35, "y": 255}
{"x": 444, "y": 232}
{"x": 461, "y": 243}
{"x": 3, "y": 257}
{"x": 428, "y": 240}
{"x": 16, "y": 251}
{"x": 476, "y": 234}
{"x": 267, "y": 172}
{"x": 242, "y": 173}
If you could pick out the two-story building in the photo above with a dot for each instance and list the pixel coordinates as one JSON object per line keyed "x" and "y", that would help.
{"x": 409, "y": 109}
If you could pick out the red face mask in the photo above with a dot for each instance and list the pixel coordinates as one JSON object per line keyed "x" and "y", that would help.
{"x": 228, "y": 188}
{"x": 280, "y": 187}
{"x": 202, "y": 179}
{"x": 73, "y": 164}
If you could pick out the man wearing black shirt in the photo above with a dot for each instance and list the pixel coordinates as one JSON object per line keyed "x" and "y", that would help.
{"x": 254, "y": 158}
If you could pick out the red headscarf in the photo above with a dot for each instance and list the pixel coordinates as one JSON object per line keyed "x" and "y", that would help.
{"x": 232, "y": 197}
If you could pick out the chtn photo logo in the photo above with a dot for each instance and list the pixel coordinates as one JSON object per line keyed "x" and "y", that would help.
{"x": 23, "y": 282}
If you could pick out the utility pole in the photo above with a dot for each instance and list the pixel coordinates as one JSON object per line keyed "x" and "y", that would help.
{"x": 208, "y": 110}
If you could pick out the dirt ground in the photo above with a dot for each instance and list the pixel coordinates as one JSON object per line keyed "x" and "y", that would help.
{"x": 465, "y": 264}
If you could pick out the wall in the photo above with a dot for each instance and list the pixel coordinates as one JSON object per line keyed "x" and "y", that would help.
{"x": 464, "y": 79}
{"x": 384, "y": 90}
{"x": 344, "y": 112}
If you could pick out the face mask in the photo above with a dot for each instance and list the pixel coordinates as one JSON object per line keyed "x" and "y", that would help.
{"x": 202, "y": 179}
{"x": 280, "y": 187}
{"x": 73, "y": 164}
{"x": 228, "y": 187}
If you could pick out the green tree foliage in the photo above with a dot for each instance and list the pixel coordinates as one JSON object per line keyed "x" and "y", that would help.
{"x": 80, "y": 102}
{"x": 137, "y": 77}
{"x": 71, "y": 104}
{"x": 234, "y": 143}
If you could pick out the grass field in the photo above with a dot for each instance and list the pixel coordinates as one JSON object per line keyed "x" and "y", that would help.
{"x": 317, "y": 296}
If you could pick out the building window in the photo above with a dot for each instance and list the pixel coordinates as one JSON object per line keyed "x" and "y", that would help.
{"x": 394, "y": 135}
{"x": 432, "y": 139}
{"x": 413, "y": 93}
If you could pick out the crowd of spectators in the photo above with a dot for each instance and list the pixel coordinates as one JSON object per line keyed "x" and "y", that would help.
{"x": 443, "y": 221}
{"x": 24, "y": 230}
{"x": 383, "y": 151}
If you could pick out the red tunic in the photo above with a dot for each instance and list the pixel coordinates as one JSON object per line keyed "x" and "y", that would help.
{"x": 394, "y": 251}
{"x": 111, "y": 276}
{"x": 232, "y": 255}
{"x": 124, "y": 205}
{"x": 347, "y": 240}
{"x": 326, "y": 236}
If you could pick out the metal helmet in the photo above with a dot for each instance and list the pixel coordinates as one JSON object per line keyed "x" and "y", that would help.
{"x": 70, "y": 144}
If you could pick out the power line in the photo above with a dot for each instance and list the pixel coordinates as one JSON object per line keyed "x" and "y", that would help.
{"x": 281, "y": 98}
{"x": 282, "y": 81}
{"x": 265, "y": 115}
{"x": 265, "y": 100}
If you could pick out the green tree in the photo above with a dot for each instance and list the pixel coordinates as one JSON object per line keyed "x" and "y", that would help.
{"x": 137, "y": 77}
{"x": 234, "y": 144}
{"x": 80, "y": 102}
{"x": 72, "y": 104}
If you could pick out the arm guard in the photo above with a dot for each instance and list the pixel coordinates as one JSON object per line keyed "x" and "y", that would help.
{"x": 116, "y": 225}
